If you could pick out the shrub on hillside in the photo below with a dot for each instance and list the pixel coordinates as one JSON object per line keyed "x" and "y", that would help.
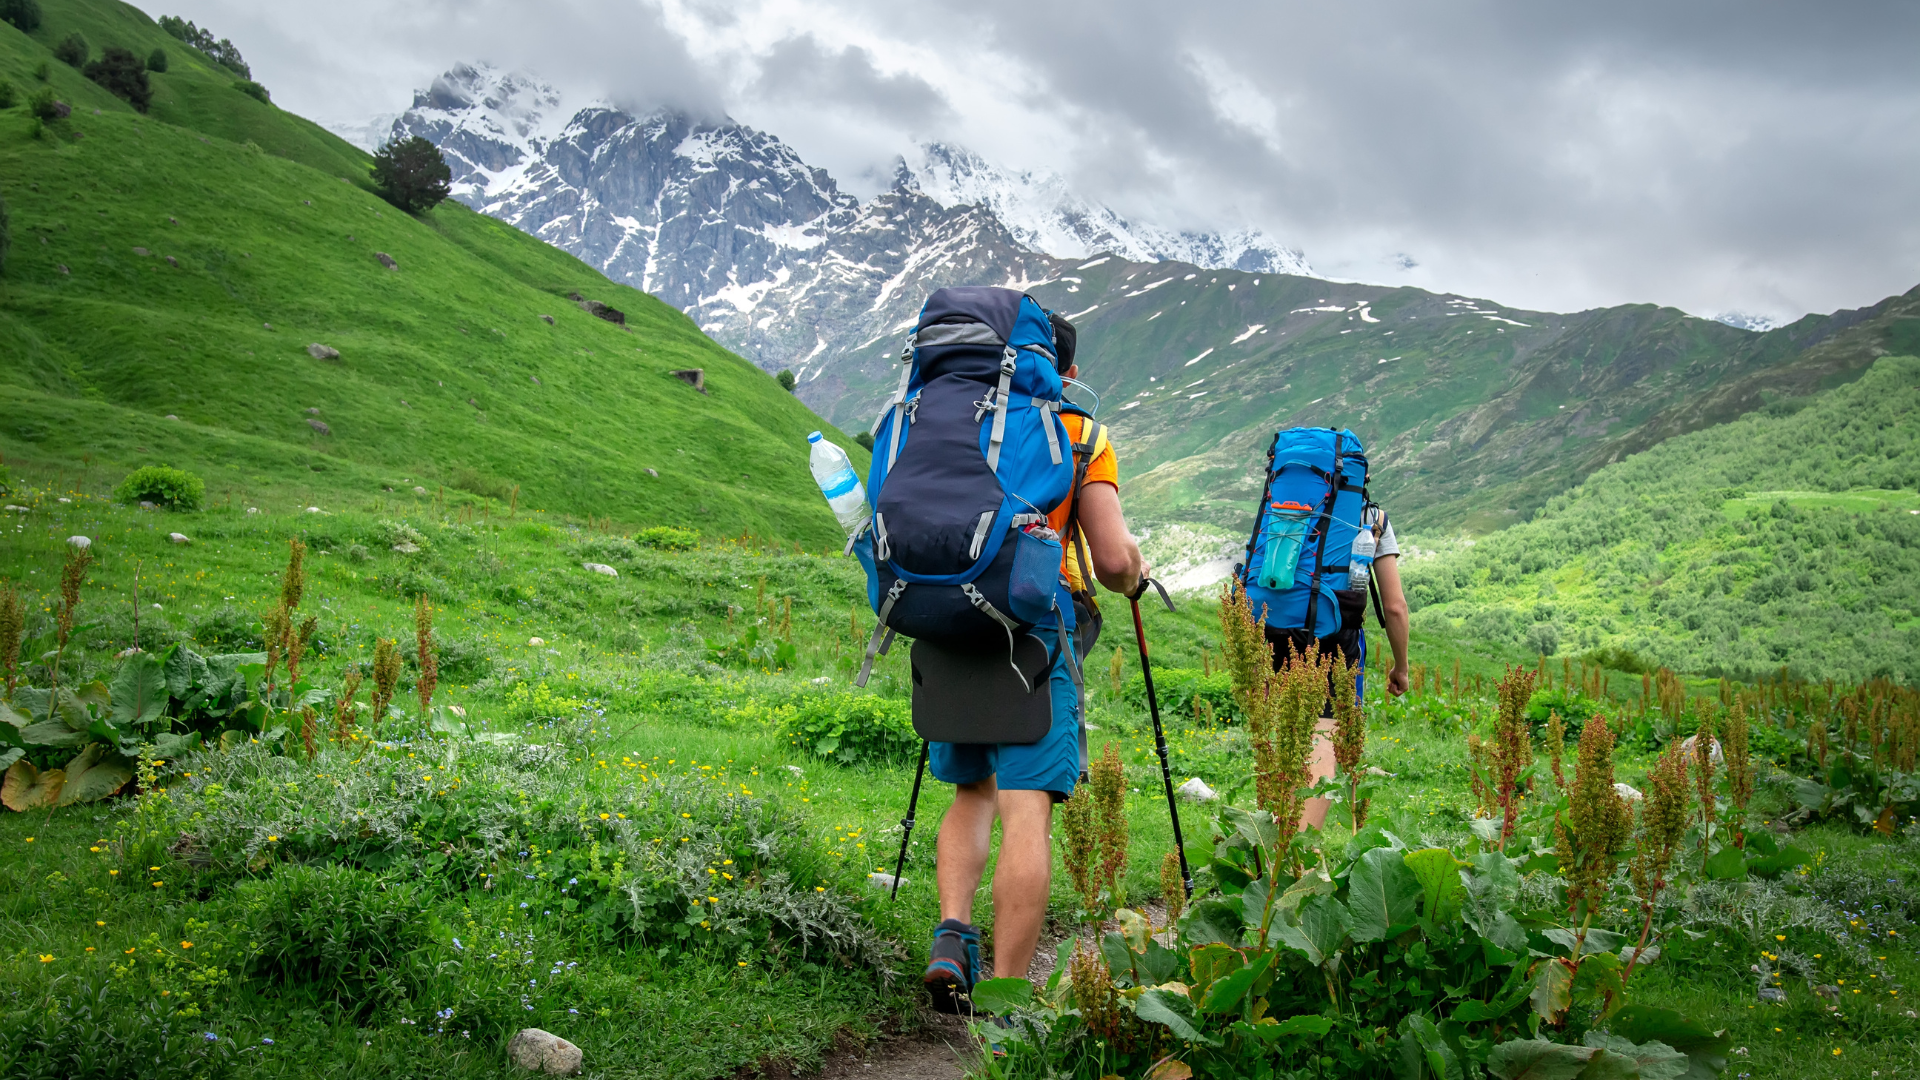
{"x": 668, "y": 538}
{"x": 411, "y": 174}
{"x": 253, "y": 90}
{"x": 865, "y": 439}
{"x": 72, "y": 50}
{"x": 332, "y": 927}
{"x": 786, "y": 379}
{"x": 23, "y": 14}
{"x": 9, "y": 94}
{"x": 176, "y": 489}
{"x": 44, "y": 106}
{"x": 123, "y": 75}
{"x": 852, "y": 728}
{"x": 157, "y": 60}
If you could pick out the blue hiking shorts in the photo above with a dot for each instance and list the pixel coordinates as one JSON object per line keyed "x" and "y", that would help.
{"x": 1052, "y": 764}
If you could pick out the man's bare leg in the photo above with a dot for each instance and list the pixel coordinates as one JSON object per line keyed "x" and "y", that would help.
{"x": 966, "y": 833}
{"x": 1319, "y": 767}
{"x": 1022, "y": 880}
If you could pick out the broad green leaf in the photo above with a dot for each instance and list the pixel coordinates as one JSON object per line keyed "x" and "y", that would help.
{"x": 1651, "y": 1061}
{"x": 27, "y": 788}
{"x": 1598, "y": 940}
{"x": 1552, "y": 990}
{"x": 1423, "y": 1052}
{"x": 10, "y": 755}
{"x": 1314, "y": 882}
{"x": 1210, "y": 921}
{"x": 1226, "y": 992}
{"x": 1727, "y": 864}
{"x": 1762, "y": 843}
{"x": 1210, "y": 962}
{"x": 1231, "y": 878}
{"x": 1113, "y": 949}
{"x": 1305, "y": 1024}
{"x": 1321, "y": 927}
{"x": 1256, "y": 827}
{"x": 94, "y": 773}
{"x": 31, "y": 702}
{"x": 999, "y": 996}
{"x": 1158, "y": 963}
{"x": 1486, "y": 829}
{"x": 1381, "y": 893}
{"x": 1135, "y": 930}
{"x": 171, "y": 744}
{"x": 185, "y": 670}
{"x": 1171, "y": 1069}
{"x": 139, "y": 691}
{"x": 95, "y": 698}
{"x": 53, "y": 733}
{"x": 1441, "y": 890}
{"x": 1062, "y": 961}
{"x": 1707, "y": 1049}
{"x": 1538, "y": 1059}
{"x": 1253, "y": 903}
{"x": 1174, "y": 1011}
{"x": 11, "y": 725}
{"x": 1772, "y": 866}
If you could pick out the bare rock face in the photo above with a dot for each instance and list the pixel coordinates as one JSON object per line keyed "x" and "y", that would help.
{"x": 323, "y": 352}
{"x": 319, "y": 426}
{"x": 544, "y": 1052}
{"x": 694, "y": 377}
{"x": 386, "y": 260}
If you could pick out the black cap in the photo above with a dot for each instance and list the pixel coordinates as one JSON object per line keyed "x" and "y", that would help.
{"x": 1064, "y": 337}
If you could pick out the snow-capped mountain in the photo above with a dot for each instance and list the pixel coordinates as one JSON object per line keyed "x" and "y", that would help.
{"x": 764, "y": 251}
{"x": 1745, "y": 321}
{"x": 1043, "y": 213}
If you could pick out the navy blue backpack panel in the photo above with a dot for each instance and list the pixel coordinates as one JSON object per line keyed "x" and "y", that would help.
{"x": 1303, "y": 532}
{"x": 968, "y": 459}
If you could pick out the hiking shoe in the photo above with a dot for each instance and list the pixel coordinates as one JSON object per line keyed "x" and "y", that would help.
{"x": 954, "y": 966}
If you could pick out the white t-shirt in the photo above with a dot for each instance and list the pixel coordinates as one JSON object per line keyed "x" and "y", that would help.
{"x": 1386, "y": 545}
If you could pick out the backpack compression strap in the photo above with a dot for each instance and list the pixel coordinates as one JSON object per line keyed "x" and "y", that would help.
{"x": 1326, "y": 526}
{"x": 1259, "y": 512}
{"x": 898, "y": 406}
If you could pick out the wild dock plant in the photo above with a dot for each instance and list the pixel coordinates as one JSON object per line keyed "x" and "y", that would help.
{"x": 1479, "y": 767}
{"x": 72, "y": 576}
{"x": 13, "y": 625}
{"x": 1599, "y": 823}
{"x": 1557, "y": 748}
{"x": 1817, "y": 742}
{"x": 1117, "y": 670}
{"x": 386, "y": 678}
{"x": 1349, "y": 737}
{"x": 1093, "y": 993}
{"x": 1703, "y": 776}
{"x": 1739, "y": 761}
{"x": 1173, "y": 890}
{"x": 344, "y": 710}
{"x": 1303, "y": 692}
{"x": 1663, "y": 825}
{"x": 1108, "y": 779}
{"x": 424, "y": 649}
{"x": 1512, "y": 748}
{"x": 1282, "y": 707}
{"x": 1081, "y": 848}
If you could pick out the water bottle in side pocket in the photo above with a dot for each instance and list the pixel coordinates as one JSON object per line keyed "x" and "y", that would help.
{"x": 841, "y": 486}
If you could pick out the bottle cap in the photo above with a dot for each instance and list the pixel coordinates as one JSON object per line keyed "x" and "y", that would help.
{"x": 815, "y": 437}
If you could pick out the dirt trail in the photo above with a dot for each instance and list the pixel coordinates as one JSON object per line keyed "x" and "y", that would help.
{"x": 939, "y": 1051}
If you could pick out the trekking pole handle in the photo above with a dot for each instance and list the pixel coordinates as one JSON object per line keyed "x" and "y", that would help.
{"x": 1149, "y": 583}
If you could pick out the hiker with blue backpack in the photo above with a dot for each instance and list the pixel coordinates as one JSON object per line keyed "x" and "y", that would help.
{"x": 995, "y": 505}
{"x": 1320, "y": 547}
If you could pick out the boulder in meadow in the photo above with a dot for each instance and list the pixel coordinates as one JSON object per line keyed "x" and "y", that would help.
{"x": 544, "y": 1052}
{"x": 323, "y": 352}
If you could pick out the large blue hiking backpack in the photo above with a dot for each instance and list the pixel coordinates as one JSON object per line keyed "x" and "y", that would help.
{"x": 1310, "y": 512}
{"x": 969, "y": 457}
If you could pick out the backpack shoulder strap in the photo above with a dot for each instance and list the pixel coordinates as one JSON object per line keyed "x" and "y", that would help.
{"x": 1093, "y": 437}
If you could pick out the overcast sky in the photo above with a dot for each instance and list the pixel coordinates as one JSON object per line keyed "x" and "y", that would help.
{"x": 1750, "y": 156}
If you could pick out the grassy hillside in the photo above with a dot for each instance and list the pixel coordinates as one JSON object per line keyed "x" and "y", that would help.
{"x": 1475, "y": 413}
{"x": 180, "y": 264}
{"x": 1789, "y": 537}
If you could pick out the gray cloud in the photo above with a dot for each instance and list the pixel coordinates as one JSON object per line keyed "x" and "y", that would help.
{"x": 1714, "y": 155}
{"x": 800, "y": 70}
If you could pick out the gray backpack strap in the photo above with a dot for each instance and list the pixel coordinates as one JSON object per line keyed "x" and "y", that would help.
{"x": 882, "y": 638}
{"x": 1079, "y": 681}
{"x": 986, "y": 607}
{"x": 1009, "y": 359}
{"x": 898, "y": 406}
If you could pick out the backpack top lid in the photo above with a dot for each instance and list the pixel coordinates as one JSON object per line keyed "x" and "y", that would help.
{"x": 964, "y": 329}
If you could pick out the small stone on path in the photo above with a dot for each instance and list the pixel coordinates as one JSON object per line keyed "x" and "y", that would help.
{"x": 1196, "y": 790}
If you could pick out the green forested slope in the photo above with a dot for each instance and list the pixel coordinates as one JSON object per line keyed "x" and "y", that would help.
{"x": 1791, "y": 536}
{"x": 260, "y": 239}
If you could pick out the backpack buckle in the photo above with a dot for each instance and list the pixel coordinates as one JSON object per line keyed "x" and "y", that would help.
{"x": 1008, "y": 360}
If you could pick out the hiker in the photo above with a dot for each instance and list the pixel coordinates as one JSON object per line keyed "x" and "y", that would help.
{"x": 996, "y": 505}
{"x": 1319, "y": 548}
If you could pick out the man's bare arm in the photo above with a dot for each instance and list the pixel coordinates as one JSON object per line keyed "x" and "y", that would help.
{"x": 1116, "y": 555}
{"x": 1393, "y": 609}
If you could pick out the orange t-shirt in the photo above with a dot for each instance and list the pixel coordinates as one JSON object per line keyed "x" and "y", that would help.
{"x": 1103, "y": 469}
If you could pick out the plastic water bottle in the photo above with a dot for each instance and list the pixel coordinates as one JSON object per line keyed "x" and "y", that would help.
{"x": 1362, "y": 560}
{"x": 841, "y": 486}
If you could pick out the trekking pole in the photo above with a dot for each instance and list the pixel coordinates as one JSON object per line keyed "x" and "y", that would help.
{"x": 1159, "y": 734}
{"x": 906, "y": 823}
